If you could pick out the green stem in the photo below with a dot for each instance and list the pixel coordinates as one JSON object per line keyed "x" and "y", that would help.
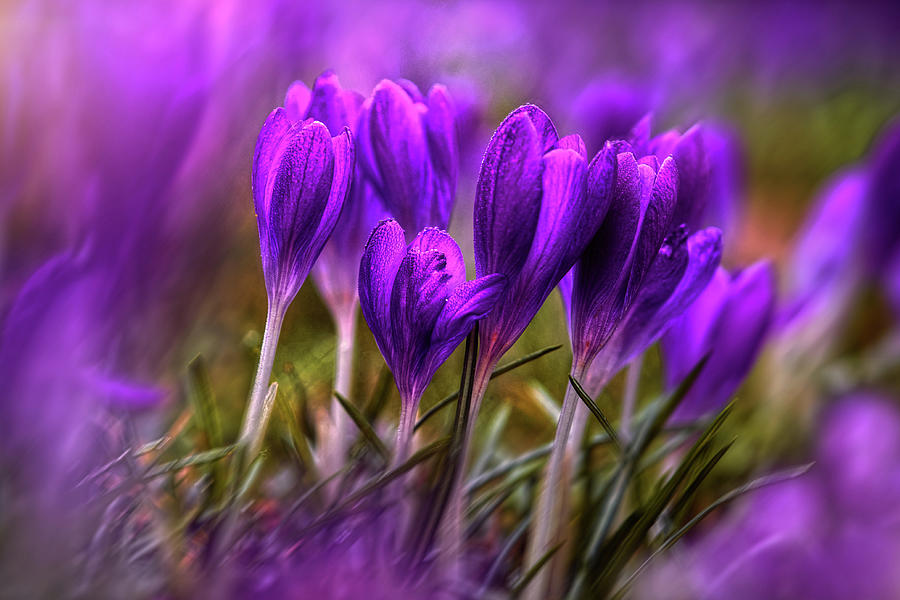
{"x": 632, "y": 381}
{"x": 550, "y": 518}
{"x": 343, "y": 381}
{"x": 253, "y": 428}
{"x": 405, "y": 428}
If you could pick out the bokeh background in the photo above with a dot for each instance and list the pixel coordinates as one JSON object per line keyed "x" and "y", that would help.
{"x": 128, "y": 243}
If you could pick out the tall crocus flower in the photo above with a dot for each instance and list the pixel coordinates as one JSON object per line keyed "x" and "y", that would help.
{"x": 408, "y": 149}
{"x": 729, "y": 321}
{"x": 538, "y": 204}
{"x": 625, "y": 260}
{"x": 300, "y": 178}
{"x": 336, "y": 270}
{"x": 419, "y": 306}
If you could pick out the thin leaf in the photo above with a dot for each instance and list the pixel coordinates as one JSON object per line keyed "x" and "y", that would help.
{"x": 200, "y": 458}
{"x": 365, "y": 428}
{"x": 498, "y": 424}
{"x": 595, "y": 410}
{"x": 510, "y": 543}
{"x": 497, "y": 373}
{"x": 523, "y": 581}
{"x": 297, "y": 441}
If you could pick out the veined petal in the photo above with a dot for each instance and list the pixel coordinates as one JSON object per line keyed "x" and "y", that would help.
{"x": 329, "y": 103}
{"x": 271, "y": 137}
{"x": 654, "y": 309}
{"x": 573, "y": 142}
{"x": 507, "y": 199}
{"x": 432, "y": 238}
{"x": 468, "y": 303}
{"x": 400, "y": 152}
{"x": 381, "y": 258}
{"x": 440, "y": 124}
{"x": 300, "y": 189}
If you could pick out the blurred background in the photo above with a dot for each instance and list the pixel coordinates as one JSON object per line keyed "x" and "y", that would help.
{"x": 128, "y": 243}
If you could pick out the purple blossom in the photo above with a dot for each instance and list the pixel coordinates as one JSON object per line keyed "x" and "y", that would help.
{"x": 301, "y": 176}
{"x": 608, "y": 108}
{"x": 822, "y": 276}
{"x": 729, "y": 320}
{"x": 408, "y": 149}
{"x": 419, "y": 305}
{"x": 612, "y": 268}
{"x": 883, "y": 215}
{"x": 537, "y": 205}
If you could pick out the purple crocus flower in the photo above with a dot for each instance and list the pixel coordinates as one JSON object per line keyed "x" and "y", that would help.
{"x": 538, "y": 204}
{"x": 729, "y": 320}
{"x": 633, "y": 278}
{"x": 609, "y": 107}
{"x": 336, "y": 272}
{"x": 301, "y": 176}
{"x": 419, "y": 306}
{"x": 408, "y": 149}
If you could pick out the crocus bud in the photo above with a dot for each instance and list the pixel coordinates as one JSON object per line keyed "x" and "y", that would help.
{"x": 408, "y": 150}
{"x": 609, "y": 273}
{"x": 537, "y": 205}
{"x": 301, "y": 176}
{"x": 419, "y": 305}
{"x": 728, "y": 321}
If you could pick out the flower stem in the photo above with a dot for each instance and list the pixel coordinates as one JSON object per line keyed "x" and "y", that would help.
{"x": 405, "y": 427}
{"x": 550, "y": 515}
{"x": 253, "y": 428}
{"x": 343, "y": 381}
{"x": 632, "y": 381}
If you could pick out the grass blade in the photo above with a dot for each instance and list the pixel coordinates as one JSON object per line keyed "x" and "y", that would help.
{"x": 523, "y": 581}
{"x": 365, "y": 428}
{"x": 595, "y": 410}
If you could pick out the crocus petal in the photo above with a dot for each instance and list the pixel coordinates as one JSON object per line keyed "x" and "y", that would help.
{"x": 733, "y": 338}
{"x": 300, "y": 191}
{"x": 573, "y": 142}
{"x": 270, "y": 139}
{"x": 432, "y": 238}
{"x": 507, "y": 200}
{"x": 440, "y": 123}
{"x": 400, "y": 152}
{"x": 468, "y": 303}
{"x": 377, "y": 270}
{"x": 678, "y": 276}
{"x": 694, "y": 181}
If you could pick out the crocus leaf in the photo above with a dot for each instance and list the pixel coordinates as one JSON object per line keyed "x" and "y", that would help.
{"x": 365, "y": 428}
{"x": 595, "y": 410}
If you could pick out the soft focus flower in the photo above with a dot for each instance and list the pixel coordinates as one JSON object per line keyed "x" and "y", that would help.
{"x": 419, "y": 305}
{"x": 408, "y": 148}
{"x": 729, "y": 321}
{"x": 883, "y": 215}
{"x": 609, "y": 108}
{"x": 710, "y": 171}
{"x": 537, "y": 205}
{"x": 825, "y": 269}
{"x": 301, "y": 176}
{"x": 833, "y": 533}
